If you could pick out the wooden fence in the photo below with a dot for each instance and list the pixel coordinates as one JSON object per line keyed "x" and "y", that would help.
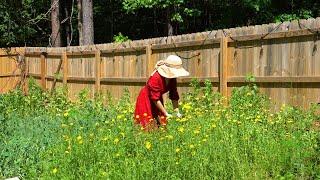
{"x": 284, "y": 58}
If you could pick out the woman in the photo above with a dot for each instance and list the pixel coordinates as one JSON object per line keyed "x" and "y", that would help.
{"x": 150, "y": 112}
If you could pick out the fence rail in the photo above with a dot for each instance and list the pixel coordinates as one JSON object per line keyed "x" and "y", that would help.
{"x": 284, "y": 58}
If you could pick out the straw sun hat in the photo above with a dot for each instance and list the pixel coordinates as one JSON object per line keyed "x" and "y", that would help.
{"x": 171, "y": 67}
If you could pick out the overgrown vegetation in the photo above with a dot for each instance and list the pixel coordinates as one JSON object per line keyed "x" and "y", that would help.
{"x": 46, "y": 136}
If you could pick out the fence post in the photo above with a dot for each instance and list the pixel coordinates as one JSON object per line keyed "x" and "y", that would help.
{"x": 98, "y": 70}
{"x": 26, "y": 73}
{"x": 223, "y": 69}
{"x": 149, "y": 60}
{"x": 43, "y": 62}
{"x": 65, "y": 68}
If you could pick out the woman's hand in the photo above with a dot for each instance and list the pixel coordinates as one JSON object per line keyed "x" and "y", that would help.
{"x": 178, "y": 114}
{"x": 168, "y": 115}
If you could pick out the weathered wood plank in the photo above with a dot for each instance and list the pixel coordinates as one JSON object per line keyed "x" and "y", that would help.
{"x": 223, "y": 66}
{"x": 278, "y": 79}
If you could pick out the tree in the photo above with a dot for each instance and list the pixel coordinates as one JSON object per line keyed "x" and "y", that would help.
{"x": 55, "y": 37}
{"x": 85, "y": 22}
{"x": 173, "y": 10}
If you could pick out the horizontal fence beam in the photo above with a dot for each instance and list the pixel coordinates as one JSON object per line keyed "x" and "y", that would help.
{"x": 125, "y": 80}
{"x": 239, "y": 79}
{"x": 123, "y": 50}
{"x": 9, "y": 55}
{"x": 277, "y": 35}
{"x": 185, "y": 44}
{"x": 277, "y": 79}
{"x": 9, "y": 75}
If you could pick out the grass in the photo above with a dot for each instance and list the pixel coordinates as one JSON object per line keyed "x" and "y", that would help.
{"x": 46, "y": 136}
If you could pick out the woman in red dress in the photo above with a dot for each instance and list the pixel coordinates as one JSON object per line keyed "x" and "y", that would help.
{"x": 150, "y": 112}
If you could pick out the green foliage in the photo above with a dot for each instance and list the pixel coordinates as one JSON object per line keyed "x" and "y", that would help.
{"x": 177, "y": 8}
{"x": 120, "y": 38}
{"x": 43, "y": 135}
{"x": 303, "y": 14}
{"x": 20, "y": 22}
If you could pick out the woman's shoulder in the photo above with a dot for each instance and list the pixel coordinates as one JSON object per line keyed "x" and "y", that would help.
{"x": 155, "y": 78}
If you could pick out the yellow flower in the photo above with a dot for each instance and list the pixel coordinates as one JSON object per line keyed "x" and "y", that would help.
{"x": 64, "y": 125}
{"x": 118, "y": 154}
{"x": 116, "y": 140}
{"x": 66, "y": 114}
{"x": 80, "y": 142}
{"x": 148, "y": 145}
{"x": 213, "y": 126}
{"x": 67, "y": 152}
{"x": 55, "y": 170}
{"x": 79, "y": 138}
{"x": 196, "y": 131}
{"x": 186, "y": 106}
{"x": 71, "y": 124}
{"x": 181, "y": 129}
{"x": 178, "y": 150}
{"x": 122, "y": 134}
{"x": 191, "y": 146}
{"x": 169, "y": 137}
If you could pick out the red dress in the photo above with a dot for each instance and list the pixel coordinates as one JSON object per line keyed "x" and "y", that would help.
{"x": 146, "y": 112}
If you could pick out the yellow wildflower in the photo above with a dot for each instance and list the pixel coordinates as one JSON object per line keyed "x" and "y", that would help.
{"x": 196, "y": 131}
{"x": 66, "y": 114}
{"x": 169, "y": 137}
{"x": 148, "y": 145}
{"x": 191, "y": 146}
{"x": 104, "y": 174}
{"x": 79, "y": 138}
{"x": 116, "y": 140}
{"x": 181, "y": 129}
{"x": 178, "y": 150}
{"x": 55, "y": 170}
{"x": 122, "y": 134}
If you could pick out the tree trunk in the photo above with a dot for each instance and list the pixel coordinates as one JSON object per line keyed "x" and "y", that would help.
{"x": 112, "y": 21}
{"x": 67, "y": 6}
{"x": 155, "y": 25}
{"x": 87, "y": 15}
{"x": 169, "y": 23}
{"x": 79, "y": 6}
{"x": 55, "y": 24}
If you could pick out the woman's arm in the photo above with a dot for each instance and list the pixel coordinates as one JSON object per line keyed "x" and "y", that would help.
{"x": 160, "y": 106}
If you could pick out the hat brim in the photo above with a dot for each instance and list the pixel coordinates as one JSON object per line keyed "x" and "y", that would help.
{"x": 169, "y": 72}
